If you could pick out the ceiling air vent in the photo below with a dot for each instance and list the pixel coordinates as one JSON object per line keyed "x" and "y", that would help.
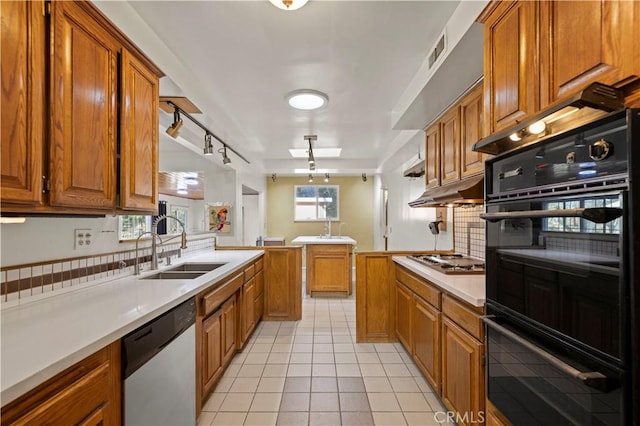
{"x": 437, "y": 51}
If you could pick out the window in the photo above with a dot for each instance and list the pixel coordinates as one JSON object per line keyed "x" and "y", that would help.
{"x": 577, "y": 225}
{"x": 131, "y": 226}
{"x": 181, "y": 213}
{"x": 315, "y": 202}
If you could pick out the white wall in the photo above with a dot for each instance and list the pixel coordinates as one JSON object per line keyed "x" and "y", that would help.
{"x": 250, "y": 205}
{"x": 408, "y": 227}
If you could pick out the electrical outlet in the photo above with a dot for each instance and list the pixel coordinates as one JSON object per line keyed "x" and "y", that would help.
{"x": 83, "y": 239}
{"x": 441, "y": 214}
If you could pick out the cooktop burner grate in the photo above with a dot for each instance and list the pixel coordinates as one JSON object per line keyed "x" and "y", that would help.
{"x": 451, "y": 263}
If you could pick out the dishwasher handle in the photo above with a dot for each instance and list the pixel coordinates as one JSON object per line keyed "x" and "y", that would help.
{"x": 145, "y": 342}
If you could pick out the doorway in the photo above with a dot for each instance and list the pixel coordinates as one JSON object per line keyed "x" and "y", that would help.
{"x": 250, "y": 216}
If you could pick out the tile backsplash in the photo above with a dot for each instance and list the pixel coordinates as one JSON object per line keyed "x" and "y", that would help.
{"x": 33, "y": 279}
{"x": 469, "y": 231}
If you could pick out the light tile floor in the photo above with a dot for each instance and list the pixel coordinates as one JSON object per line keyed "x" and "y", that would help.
{"x": 311, "y": 372}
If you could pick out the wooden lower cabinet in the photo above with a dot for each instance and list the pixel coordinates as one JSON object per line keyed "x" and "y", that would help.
{"x": 375, "y": 294}
{"x": 444, "y": 336}
{"x": 211, "y": 350}
{"x": 228, "y": 311}
{"x": 248, "y": 308}
{"x": 403, "y": 315}
{"x": 258, "y": 302}
{"x": 425, "y": 347}
{"x": 88, "y": 393}
{"x": 329, "y": 268}
{"x": 463, "y": 387}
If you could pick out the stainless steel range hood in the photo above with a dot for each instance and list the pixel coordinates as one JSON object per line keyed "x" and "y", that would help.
{"x": 592, "y": 102}
{"x": 466, "y": 191}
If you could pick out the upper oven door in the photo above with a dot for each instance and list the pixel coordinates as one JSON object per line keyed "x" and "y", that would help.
{"x": 558, "y": 262}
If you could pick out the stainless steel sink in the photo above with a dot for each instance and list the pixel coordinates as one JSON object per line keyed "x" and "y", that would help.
{"x": 201, "y": 267}
{"x": 174, "y": 275}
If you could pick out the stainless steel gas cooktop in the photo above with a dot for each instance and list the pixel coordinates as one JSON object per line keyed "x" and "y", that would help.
{"x": 450, "y": 263}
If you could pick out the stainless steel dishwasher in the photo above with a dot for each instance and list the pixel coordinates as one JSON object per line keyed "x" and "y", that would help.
{"x": 158, "y": 368}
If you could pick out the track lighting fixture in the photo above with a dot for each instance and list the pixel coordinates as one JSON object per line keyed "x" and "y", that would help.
{"x": 326, "y": 177}
{"x": 208, "y": 145}
{"x": 273, "y": 177}
{"x": 310, "y": 178}
{"x": 174, "y": 128}
{"x": 311, "y": 159}
{"x": 225, "y": 157}
{"x": 364, "y": 177}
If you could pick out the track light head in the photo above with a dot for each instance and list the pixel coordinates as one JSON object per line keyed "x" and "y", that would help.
{"x": 273, "y": 177}
{"x": 364, "y": 177}
{"x": 326, "y": 177}
{"x": 174, "y": 128}
{"x": 310, "y": 178}
{"x": 225, "y": 157}
{"x": 208, "y": 145}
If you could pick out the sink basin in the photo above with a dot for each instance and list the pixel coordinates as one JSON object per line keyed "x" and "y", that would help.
{"x": 174, "y": 275}
{"x": 201, "y": 267}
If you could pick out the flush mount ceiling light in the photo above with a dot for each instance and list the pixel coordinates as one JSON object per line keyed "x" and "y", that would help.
{"x": 208, "y": 144}
{"x": 174, "y": 128}
{"x": 307, "y": 99}
{"x": 288, "y": 4}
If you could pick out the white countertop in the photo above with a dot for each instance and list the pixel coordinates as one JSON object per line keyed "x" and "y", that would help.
{"x": 314, "y": 239}
{"x": 470, "y": 288}
{"x": 41, "y": 338}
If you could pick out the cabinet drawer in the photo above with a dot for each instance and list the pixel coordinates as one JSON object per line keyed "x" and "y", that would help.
{"x": 259, "y": 265}
{"x": 213, "y": 299}
{"x": 249, "y": 272}
{"x": 463, "y": 316}
{"x": 418, "y": 286}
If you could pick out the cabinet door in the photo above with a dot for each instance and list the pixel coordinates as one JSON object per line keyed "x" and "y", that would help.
{"x": 211, "y": 350}
{"x": 22, "y": 30}
{"x": 587, "y": 41}
{"x": 471, "y": 163}
{"x": 425, "y": 336}
{"x": 511, "y": 77}
{"x": 330, "y": 270}
{"x": 432, "y": 156}
{"x": 229, "y": 330}
{"x": 450, "y": 146}
{"x": 84, "y": 66}
{"x": 248, "y": 307}
{"x": 138, "y": 136}
{"x": 403, "y": 315}
{"x": 259, "y": 300}
{"x": 462, "y": 372}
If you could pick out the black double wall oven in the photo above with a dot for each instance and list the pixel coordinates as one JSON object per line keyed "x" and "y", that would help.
{"x": 562, "y": 297}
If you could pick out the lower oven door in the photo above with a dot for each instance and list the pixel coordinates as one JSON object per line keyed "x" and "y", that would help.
{"x": 531, "y": 384}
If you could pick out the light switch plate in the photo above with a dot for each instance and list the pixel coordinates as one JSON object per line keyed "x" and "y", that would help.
{"x": 83, "y": 239}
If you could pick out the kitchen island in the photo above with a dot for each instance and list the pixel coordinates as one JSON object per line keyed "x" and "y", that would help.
{"x": 328, "y": 262}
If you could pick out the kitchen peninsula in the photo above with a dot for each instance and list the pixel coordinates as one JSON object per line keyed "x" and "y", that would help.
{"x": 328, "y": 261}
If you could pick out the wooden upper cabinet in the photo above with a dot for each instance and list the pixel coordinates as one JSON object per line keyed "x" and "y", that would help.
{"x": 450, "y": 146}
{"x": 432, "y": 156}
{"x": 587, "y": 41}
{"x": 511, "y": 75}
{"x": 22, "y": 30}
{"x": 471, "y": 163}
{"x": 138, "y": 136}
{"x": 83, "y": 132}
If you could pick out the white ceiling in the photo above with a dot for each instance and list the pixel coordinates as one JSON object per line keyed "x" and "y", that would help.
{"x": 236, "y": 60}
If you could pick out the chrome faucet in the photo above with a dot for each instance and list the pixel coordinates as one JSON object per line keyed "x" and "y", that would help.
{"x": 340, "y": 229}
{"x": 136, "y": 268}
{"x": 154, "y": 230}
{"x": 327, "y": 228}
